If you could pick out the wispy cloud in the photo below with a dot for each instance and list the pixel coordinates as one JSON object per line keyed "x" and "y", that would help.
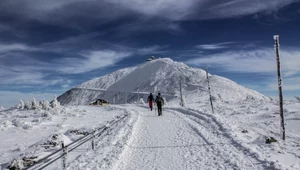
{"x": 151, "y": 24}
{"x": 213, "y": 46}
{"x": 104, "y": 10}
{"x": 91, "y": 60}
{"x": 155, "y": 49}
{"x": 288, "y": 84}
{"x": 252, "y": 61}
{"x": 21, "y": 78}
{"x": 4, "y": 48}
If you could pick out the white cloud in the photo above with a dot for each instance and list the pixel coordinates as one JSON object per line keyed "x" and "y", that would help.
{"x": 213, "y": 46}
{"x": 168, "y": 9}
{"x": 252, "y": 61}
{"x": 91, "y": 60}
{"x": 149, "y": 24}
{"x": 288, "y": 84}
{"x": 4, "y": 48}
{"x": 260, "y": 61}
{"x": 155, "y": 49}
{"x": 173, "y": 10}
{"x": 12, "y": 98}
{"x": 25, "y": 77}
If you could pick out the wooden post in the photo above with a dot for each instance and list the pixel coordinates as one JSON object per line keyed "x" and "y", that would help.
{"x": 210, "y": 98}
{"x": 64, "y": 158}
{"x": 138, "y": 96}
{"x": 180, "y": 88}
{"x": 276, "y": 38}
{"x": 93, "y": 142}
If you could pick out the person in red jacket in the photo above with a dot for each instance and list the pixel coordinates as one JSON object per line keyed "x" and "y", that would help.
{"x": 150, "y": 100}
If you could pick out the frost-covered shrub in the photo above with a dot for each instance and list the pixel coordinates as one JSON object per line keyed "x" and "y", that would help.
{"x": 55, "y": 103}
{"x": 21, "y": 105}
{"x": 41, "y": 103}
{"x": 55, "y": 141}
{"x": 34, "y": 104}
{"x": 17, "y": 123}
{"x": 1, "y": 108}
{"x": 16, "y": 164}
{"x": 26, "y": 125}
{"x": 141, "y": 101}
{"x": 45, "y": 105}
{"x": 22, "y": 124}
{"x": 5, "y": 124}
{"x": 45, "y": 114}
{"x": 28, "y": 105}
{"x": 36, "y": 120}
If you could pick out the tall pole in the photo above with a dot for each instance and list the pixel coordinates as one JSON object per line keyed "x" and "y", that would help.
{"x": 276, "y": 38}
{"x": 210, "y": 98}
{"x": 138, "y": 95}
{"x": 180, "y": 88}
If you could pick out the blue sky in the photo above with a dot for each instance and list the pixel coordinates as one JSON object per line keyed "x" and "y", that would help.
{"x": 48, "y": 47}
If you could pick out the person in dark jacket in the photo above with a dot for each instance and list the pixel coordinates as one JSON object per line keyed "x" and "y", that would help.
{"x": 150, "y": 100}
{"x": 159, "y": 101}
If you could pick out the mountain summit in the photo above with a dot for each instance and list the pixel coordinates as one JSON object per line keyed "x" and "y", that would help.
{"x": 161, "y": 75}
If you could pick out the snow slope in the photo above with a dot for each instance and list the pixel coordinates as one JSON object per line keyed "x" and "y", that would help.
{"x": 161, "y": 75}
{"x": 24, "y": 132}
{"x": 183, "y": 138}
{"x": 187, "y": 138}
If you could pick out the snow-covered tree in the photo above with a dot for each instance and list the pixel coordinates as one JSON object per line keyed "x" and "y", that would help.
{"x": 28, "y": 105}
{"x": 34, "y": 104}
{"x": 297, "y": 98}
{"x": 21, "y": 105}
{"x": 1, "y": 108}
{"x": 41, "y": 104}
{"x": 45, "y": 105}
{"x": 55, "y": 103}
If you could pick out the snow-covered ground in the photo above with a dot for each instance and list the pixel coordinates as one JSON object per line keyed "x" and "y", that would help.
{"x": 183, "y": 138}
{"x": 28, "y": 132}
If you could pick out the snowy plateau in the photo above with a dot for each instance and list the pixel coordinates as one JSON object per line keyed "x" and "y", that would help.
{"x": 190, "y": 137}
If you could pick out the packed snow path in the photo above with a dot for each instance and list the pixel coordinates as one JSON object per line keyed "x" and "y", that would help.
{"x": 183, "y": 139}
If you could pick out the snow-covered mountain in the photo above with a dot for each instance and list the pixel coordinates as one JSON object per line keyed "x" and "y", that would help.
{"x": 161, "y": 75}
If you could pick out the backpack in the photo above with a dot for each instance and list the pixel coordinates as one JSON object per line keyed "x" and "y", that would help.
{"x": 159, "y": 100}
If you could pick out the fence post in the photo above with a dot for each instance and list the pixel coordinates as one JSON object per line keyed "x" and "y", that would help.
{"x": 64, "y": 158}
{"x": 93, "y": 142}
{"x": 181, "y": 97}
{"x": 210, "y": 97}
{"x": 138, "y": 96}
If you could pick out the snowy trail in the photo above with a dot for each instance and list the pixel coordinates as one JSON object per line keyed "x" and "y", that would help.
{"x": 180, "y": 140}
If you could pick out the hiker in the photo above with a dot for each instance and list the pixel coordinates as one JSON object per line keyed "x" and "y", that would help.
{"x": 159, "y": 101}
{"x": 150, "y": 100}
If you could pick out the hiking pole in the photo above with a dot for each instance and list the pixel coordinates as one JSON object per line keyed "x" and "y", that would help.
{"x": 155, "y": 108}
